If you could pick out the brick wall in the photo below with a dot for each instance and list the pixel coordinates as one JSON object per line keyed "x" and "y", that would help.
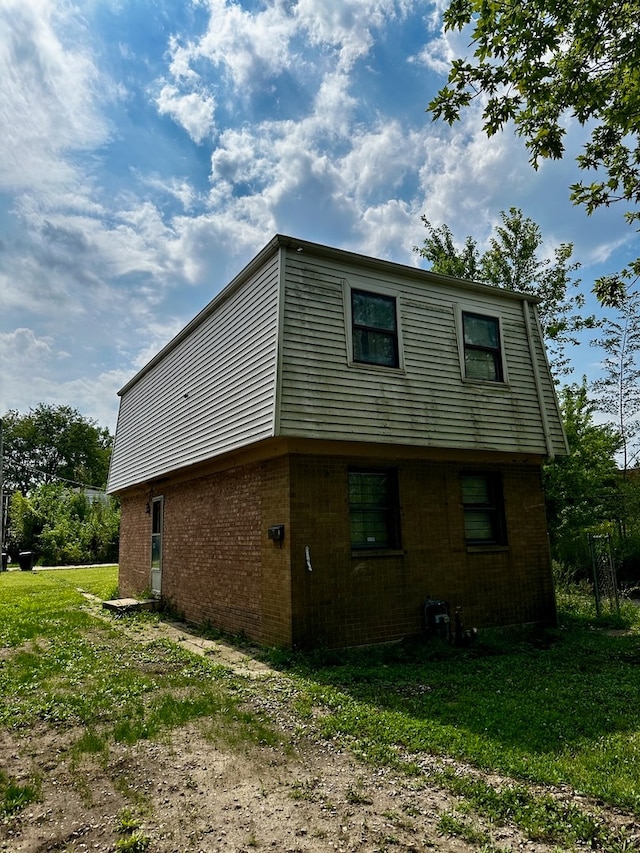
{"x": 354, "y": 598}
{"x": 220, "y": 567}
{"x": 276, "y": 556}
{"x": 135, "y": 546}
{"x": 211, "y": 550}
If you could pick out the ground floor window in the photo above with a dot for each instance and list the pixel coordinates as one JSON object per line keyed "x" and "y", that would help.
{"x": 483, "y": 506}
{"x": 374, "y": 509}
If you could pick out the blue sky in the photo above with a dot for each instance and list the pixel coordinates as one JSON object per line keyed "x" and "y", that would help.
{"x": 151, "y": 148}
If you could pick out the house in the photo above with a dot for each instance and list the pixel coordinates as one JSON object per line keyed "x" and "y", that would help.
{"x": 332, "y": 441}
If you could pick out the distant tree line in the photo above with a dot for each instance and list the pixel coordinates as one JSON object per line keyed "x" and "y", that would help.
{"x": 55, "y": 467}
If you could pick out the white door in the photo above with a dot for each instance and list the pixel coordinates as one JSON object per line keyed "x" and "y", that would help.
{"x": 156, "y": 546}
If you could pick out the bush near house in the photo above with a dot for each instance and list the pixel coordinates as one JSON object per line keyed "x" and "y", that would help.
{"x": 64, "y": 526}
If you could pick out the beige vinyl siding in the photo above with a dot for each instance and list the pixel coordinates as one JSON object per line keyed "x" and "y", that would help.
{"x": 427, "y": 403}
{"x": 211, "y": 392}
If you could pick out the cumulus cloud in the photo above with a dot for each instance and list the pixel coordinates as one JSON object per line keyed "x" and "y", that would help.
{"x": 249, "y": 46}
{"x": 389, "y": 225}
{"x": 193, "y": 111}
{"x": 180, "y": 189}
{"x": 32, "y": 350}
{"x": 32, "y": 367}
{"x": 380, "y": 158}
{"x": 438, "y": 53}
{"x": 305, "y": 39}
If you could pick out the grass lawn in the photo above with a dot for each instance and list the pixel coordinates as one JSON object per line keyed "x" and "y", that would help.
{"x": 565, "y": 711}
{"x": 559, "y": 709}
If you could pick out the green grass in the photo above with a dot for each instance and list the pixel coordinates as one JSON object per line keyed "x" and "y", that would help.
{"x": 559, "y": 708}
{"x": 137, "y": 842}
{"x": 14, "y": 796}
{"x": 563, "y": 708}
{"x": 67, "y": 667}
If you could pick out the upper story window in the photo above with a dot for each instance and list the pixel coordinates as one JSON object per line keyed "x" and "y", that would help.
{"x": 483, "y": 507}
{"x": 482, "y": 349}
{"x": 375, "y": 328}
{"x": 374, "y": 511}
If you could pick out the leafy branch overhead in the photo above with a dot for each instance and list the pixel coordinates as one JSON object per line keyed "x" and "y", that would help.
{"x": 536, "y": 63}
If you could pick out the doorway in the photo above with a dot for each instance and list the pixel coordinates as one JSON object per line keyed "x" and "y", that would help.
{"x": 157, "y": 510}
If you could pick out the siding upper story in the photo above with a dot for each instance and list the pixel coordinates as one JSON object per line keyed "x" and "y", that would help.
{"x": 271, "y": 355}
{"x": 324, "y": 394}
{"x": 211, "y": 390}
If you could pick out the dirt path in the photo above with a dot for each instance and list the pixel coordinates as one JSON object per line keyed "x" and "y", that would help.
{"x": 194, "y": 796}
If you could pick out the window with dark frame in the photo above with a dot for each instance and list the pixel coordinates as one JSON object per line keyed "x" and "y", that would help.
{"x": 374, "y": 328}
{"x": 482, "y": 353}
{"x": 374, "y": 510}
{"x": 483, "y": 507}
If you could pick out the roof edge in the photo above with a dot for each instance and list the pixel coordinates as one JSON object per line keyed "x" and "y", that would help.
{"x": 332, "y": 253}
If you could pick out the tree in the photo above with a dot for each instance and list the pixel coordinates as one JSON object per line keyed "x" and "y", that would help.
{"x": 54, "y": 443}
{"x": 64, "y": 526}
{"x": 439, "y": 248}
{"x": 536, "y": 63}
{"x": 618, "y": 389}
{"x": 513, "y": 261}
{"x": 581, "y": 489}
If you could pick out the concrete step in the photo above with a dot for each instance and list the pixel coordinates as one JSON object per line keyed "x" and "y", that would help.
{"x": 130, "y": 605}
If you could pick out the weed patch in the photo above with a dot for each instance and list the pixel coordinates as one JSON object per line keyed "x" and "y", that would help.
{"x": 137, "y": 842}
{"x": 14, "y": 796}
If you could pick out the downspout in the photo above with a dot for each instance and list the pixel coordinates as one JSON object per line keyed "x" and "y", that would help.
{"x": 277, "y": 385}
{"x": 538, "y": 381}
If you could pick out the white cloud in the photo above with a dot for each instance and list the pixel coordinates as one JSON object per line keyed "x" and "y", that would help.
{"x": 380, "y": 158}
{"x": 94, "y": 395}
{"x": 389, "y": 229}
{"x": 32, "y": 366}
{"x": 221, "y": 241}
{"x": 193, "y": 111}
{"x": 347, "y": 25}
{"x": 466, "y": 178}
{"x": 23, "y": 342}
{"x": 180, "y": 61}
{"x": 180, "y": 189}
{"x": 306, "y": 39}
{"x": 248, "y": 46}
{"x": 47, "y": 96}
{"x": 438, "y": 53}
{"x": 106, "y": 252}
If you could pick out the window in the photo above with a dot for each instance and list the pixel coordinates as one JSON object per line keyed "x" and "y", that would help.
{"x": 482, "y": 355}
{"x": 374, "y": 509}
{"x": 483, "y": 508}
{"x": 375, "y": 330}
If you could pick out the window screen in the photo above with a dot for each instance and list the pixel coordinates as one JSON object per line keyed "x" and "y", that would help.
{"x": 373, "y": 509}
{"x": 483, "y": 507}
